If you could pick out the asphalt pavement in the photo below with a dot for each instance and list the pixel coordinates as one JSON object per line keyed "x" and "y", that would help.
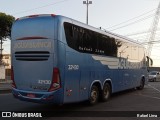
{"x": 5, "y": 87}
{"x": 127, "y": 105}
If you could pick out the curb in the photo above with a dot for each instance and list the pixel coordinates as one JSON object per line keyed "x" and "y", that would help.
{"x": 5, "y": 87}
{"x": 4, "y": 91}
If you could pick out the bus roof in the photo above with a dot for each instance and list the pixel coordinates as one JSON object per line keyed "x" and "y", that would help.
{"x": 105, "y": 32}
{"x": 37, "y": 15}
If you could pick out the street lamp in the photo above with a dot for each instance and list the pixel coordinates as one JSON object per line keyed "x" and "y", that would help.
{"x": 87, "y": 3}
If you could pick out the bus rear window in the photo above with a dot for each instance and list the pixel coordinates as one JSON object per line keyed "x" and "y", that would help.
{"x": 33, "y": 28}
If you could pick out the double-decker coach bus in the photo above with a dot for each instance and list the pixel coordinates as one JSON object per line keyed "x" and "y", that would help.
{"x": 59, "y": 60}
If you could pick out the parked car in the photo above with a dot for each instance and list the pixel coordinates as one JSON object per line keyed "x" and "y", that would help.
{"x": 154, "y": 76}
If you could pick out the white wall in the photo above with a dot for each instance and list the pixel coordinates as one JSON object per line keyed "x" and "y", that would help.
{"x": 2, "y": 72}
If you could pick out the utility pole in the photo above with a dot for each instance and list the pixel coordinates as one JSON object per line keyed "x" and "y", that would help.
{"x": 1, "y": 49}
{"x": 87, "y": 3}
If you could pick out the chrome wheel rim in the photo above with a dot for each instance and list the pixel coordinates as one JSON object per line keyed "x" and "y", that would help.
{"x": 106, "y": 92}
{"x": 94, "y": 96}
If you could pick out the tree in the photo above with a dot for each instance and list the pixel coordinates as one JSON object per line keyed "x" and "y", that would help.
{"x": 5, "y": 25}
{"x": 5, "y": 29}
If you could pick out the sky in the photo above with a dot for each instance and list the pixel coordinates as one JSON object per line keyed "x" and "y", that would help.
{"x": 124, "y": 17}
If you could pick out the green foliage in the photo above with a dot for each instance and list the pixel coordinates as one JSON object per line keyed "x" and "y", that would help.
{"x": 5, "y": 25}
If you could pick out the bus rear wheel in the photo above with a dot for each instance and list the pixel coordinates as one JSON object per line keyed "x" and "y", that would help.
{"x": 141, "y": 84}
{"x": 94, "y": 95}
{"x": 106, "y": 92}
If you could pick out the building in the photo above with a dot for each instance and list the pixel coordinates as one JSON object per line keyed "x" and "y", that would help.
{"x": 6, "y": 59}
{"x": 2, "y": 73}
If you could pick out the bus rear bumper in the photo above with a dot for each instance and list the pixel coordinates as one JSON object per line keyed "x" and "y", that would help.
{"x": 39, "y": 97}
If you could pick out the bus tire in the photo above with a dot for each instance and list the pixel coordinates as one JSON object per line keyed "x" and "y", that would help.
{"x": 106, "y": 92}
{"x": 141, "y": 84}
{"x": 94, "y": 95}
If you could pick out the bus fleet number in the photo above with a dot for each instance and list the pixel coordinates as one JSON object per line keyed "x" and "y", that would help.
{"x": 73, "y": 67}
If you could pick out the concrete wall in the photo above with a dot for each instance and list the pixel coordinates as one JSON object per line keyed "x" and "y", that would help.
{"x": 2, "y": 72}
{"x": 154, "y": 68}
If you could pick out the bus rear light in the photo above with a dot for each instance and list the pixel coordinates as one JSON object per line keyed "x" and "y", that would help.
{"x": 39, "y": 15}
{"x": 55, "y": 80}
{"x": 31, "y": 38}
{"x": 17, "y": 19}
{"x": 12, "y": 78}
{"x": 31, "y": 16}
{"x": 53, "y": 15}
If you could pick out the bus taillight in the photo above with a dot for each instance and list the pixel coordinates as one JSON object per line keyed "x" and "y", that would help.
{"x": 55, "y": 80}
{"x": 12, "y": 78}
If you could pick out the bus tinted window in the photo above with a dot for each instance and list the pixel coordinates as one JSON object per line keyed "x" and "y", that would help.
{"x": 87, "y": 41}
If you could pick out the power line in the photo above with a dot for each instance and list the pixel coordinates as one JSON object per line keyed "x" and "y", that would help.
{"x": 141, "y": 32}
{"x": 143, "y": 38}
{"x": 6, "y": 52}
{"x": 1, "y": 50}
{"x": 130, "y": 19}
{"x": 152, "y": 42}
{"x": 142, "y": 19}
{"x": 157, "y": 46}
{"x": 40, "y": 7}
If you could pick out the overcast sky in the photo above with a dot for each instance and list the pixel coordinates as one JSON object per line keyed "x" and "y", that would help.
{"x": 135, "y": 15}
